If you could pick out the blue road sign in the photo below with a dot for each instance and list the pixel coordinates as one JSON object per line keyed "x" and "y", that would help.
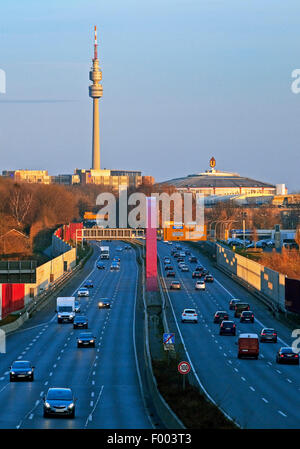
{"x": 169, "y": 339}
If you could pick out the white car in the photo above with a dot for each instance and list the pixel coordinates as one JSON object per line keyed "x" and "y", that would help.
{"x": 189, "y": 315}
{"x": 167, "y": 261}
{"x": 200, "y": 285}
{"x": 184, "y": 268}
{"x": 83, "y": 292}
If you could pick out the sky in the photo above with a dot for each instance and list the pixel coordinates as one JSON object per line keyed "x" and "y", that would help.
{"x": 183, "y": 80}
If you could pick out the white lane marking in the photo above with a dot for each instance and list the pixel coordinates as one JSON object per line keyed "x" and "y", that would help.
{"x": 283, "y": 414}
{"x": 31, "y": 416}
{"x": 243, "y": 379}
{"x": 265, "y": 400}
{"x": 89, "y": 418}
{"x": 251, "y": 388}
{"x": 289, "y": 380}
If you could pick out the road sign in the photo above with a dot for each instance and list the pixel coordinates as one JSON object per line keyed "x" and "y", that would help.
{"x": 168, "y": 347}
{"x": 169, "y": 339}
{"x": 184, "y": 367}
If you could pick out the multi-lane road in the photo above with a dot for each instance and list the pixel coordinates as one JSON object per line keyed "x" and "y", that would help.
{"x": 256, "y": 393}
{"x": 105, "y": 379}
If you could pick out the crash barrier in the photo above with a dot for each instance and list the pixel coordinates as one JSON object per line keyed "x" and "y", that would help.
{"x": 164, "y": 412}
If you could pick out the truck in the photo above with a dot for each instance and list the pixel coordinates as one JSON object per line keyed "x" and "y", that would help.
{"x": 65, "y": 308}
{"x": 104, "y": 252}
{"x": 248, "y": 346}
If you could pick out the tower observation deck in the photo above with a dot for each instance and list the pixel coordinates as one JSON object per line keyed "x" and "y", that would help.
{"x": 95, "y": 92}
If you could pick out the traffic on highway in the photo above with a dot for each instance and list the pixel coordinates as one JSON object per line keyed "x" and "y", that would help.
{"x": 241, "y": 355}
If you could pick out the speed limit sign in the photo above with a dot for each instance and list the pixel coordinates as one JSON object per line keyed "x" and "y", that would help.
{"x": 184, "y": 367}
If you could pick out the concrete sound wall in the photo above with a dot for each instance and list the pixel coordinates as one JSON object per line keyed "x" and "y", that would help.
{"x": 49, "y": 272}
{"x": 264, "y": 280}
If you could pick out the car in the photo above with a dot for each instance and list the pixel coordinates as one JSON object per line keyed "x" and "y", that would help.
{"x": 180, "y": 259}
{"x": 115, "y": 267}
{"x": 193, "y": 259}
{"x": 119, "y": 249}
{"x": 200, "y": 285}
{"x": 181, "y": 264}
{"x": 196, "y": 274}
{"x": 167, "y": 261}
{"x": 104, "y": 303}
{"x": 175, "y": 285}
{"x": 209, "y": 278}
{"x": 247, "y": 316}
{"x": 199, "y": 268}
{"x": 187, "y": 253}
{"x": 85, "y": 339}
{"x": 100, "y": 266}
{"x": 287, "y": 355}
{"x": 170, "y": 274}
{"x": 77, "y": 306}
{"x": 184, "y": 268}
{"x": 205, "y": 272}
{"x": 240, "y": 307}
{"x": 88, "y": 284}
{"x": 176, "y": 255}
{"x": 21, "y": 370}
{"x": 116, "y": 259}
{"x": 227, "y": 328}
{"x": 189, "y": 315}
{"x": 233, "y": 302}
{"x": 80, "y": 322}
{"x": 268, "y": 334}
{"x": 169, "y": 267}
{"x": 220, "y": 315}
{"x": 59, "y": 401}
{"x": 83, "y": 292}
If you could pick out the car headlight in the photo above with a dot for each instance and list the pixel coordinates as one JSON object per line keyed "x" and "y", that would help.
{"x": 47, "y": 405}
{"x": 29, "y": 372}
{"x": 59, "y": 316}
{"x": 100, "y": 303}
{"x": 79, "y": 341}
{"x": 71, "y": 405}
{"x": 12, "y": 372}
{"x": 92, "y": 341}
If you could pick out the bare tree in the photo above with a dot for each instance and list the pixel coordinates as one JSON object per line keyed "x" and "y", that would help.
{"x": 20, "y": 201}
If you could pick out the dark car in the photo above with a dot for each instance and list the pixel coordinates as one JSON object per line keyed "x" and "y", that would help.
{"x": 268, "y": 334}
{"x": 180, "y": 259}
{"x": 170, "y": 274}
{"x": 80, "y": 322}
{"x": 209, "y": 278}
{"x": 86, "y": 339}
{"x": 196, "y": 274}
{"x": 193, "y": 259}
{"x": 104, "y": 303}
{"x": 169, "y": 267}
{"x": 100, "y": 266}
{"x": 220, "y": 315}
{"x": 88, "y": 284}
{"x": 233, "y": 302}
{"x": 187, "y": 253}
{"x": 59, "y": 401}
{"x": 205, "y": 272}
{"x": 247, "y": 316}
{"x": 287, "y": 355}
{"x": 227, "y": 328}
{"x": 199, "y": 268}
{"x": 240, "y": 307}
{"x": 21, "y": 370}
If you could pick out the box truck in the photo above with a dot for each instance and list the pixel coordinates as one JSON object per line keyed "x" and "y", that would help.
{"x": 104, "y": 252}
{"x": 65, "y": 308}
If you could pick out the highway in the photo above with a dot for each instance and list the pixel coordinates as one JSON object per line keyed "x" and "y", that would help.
{"x": 105, "y": 379}
{"x": 255, "y": 393}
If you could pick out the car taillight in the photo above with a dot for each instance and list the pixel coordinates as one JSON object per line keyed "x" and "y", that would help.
{"x": 183, "y": 314}
{"x": 263, "y": 333}
{"x": 273, "y": 334}
{"x": 296, "y": 355}
{"x": 233, "y": 325}
{"x": 195, "y": 314}
{"x": 281, "y": 355}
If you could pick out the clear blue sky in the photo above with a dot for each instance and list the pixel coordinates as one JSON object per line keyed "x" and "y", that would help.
{"x": 182, "y": 81}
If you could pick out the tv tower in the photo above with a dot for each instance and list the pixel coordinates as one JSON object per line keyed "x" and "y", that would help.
{"x": 95, "y": 92}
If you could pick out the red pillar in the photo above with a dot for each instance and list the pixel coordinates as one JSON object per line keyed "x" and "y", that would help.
{"x": 151, "y": 246}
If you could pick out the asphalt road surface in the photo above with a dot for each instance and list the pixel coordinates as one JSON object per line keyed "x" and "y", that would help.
{"x": 104, "y": 379}
{"x": 256, "y": 393}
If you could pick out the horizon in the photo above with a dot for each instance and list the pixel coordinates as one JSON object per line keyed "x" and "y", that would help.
{"x": 182, "y": 82}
